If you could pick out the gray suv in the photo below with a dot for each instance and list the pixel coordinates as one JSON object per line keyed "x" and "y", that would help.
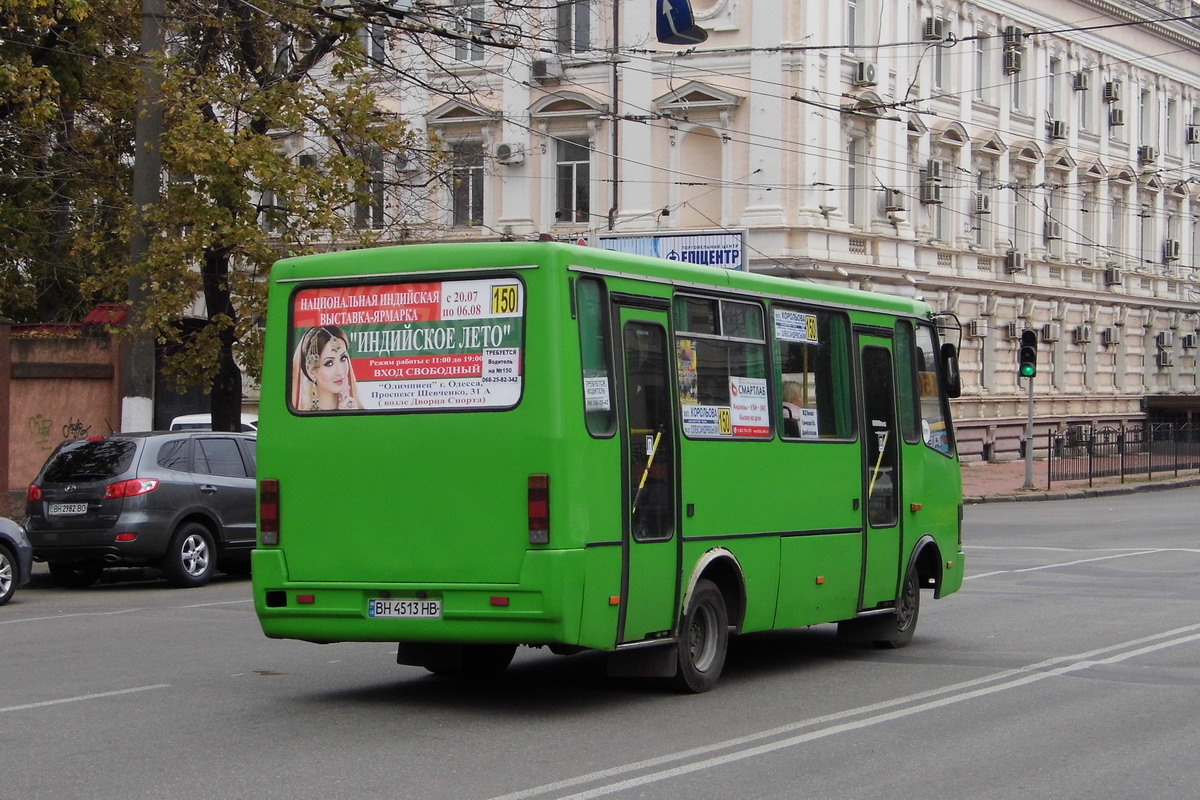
{"x": 182, "y": 501}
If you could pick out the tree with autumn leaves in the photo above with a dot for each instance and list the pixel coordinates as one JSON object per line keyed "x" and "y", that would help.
{"x": 272, "y": 129}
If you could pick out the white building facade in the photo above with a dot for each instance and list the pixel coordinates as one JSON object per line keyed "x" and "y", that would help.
{"x": 1017, "y": 165}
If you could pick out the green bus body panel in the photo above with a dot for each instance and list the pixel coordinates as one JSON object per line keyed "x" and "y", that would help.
{"x": 434, "y": 503}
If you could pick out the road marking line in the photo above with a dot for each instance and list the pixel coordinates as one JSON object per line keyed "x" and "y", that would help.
{"x": 68, "y": 616}
{"x": 966, "y": 690}
{"x": 1062, "y": 564}
{"x": 84, "y": 697}
{"x": 221, "y": 603}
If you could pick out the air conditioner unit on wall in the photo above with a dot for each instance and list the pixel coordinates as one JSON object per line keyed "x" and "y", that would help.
{"x": 1053, "y": 229}
{"x": 1080, "y": 81}
{"x": 1111, "y": 336}
{"x": 893, "y": 200}
{"x": 933, "y": 170}
{"x": 1116, "y": 117}
{"x": 1165, "y": 358}
{"x": 983, "y": 204}
{"x": 1014, "y": 261}
{"x": 547, "y": 69}
{"x": 978, "y": 328}
{"x": 1147, "y": 154}
{"x": 1188, "y": 341}
{"x": 1013, "y": 60}
{"x": 1165, "y": 339}
{"x": 1083, "y": 334}
{"x": 1051, "y": 331}
{"x": 935, "y": 29}
{"x": 931, "y": 193}
{"x": 510, "y": 154}
{"x": 1112, "y": 91}
{"x": 1172, "y": 250}
{"x": 864, "y": 74}
{"x": 1058, "y": 129}
{"x": 1191, "y": 134}
{"x": 1013, "y": 36}
{"x": 1014, "y": 330}
{"x": 1112, "y": 276}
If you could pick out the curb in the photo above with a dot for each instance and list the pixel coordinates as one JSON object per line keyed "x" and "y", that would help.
{"x": 1094, "y": 491}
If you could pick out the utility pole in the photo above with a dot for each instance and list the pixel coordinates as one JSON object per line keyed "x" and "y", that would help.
{"x": 137, "y": 358}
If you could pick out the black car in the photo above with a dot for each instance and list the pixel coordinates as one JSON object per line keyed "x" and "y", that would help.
{"x": 16, "y": 559}
{"x": 182, "y": 501}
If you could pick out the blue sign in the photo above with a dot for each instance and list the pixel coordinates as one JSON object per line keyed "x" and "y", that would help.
{"x": 676, "y": 25}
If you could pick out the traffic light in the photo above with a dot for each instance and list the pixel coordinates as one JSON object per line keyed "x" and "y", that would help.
{"x": 1027, "y": 356}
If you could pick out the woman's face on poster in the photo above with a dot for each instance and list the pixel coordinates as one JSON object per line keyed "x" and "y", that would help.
{"x": 332, "y": 373}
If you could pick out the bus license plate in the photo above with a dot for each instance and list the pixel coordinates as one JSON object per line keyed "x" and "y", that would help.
{"x": 409, "y": 609}
{"x": 67, "y": 509}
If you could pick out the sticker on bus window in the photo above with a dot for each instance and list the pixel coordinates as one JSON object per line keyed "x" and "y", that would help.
{"x": 447, "y": 345}
{"x": 748, "y": 406}
{"x": 796, "y": 326}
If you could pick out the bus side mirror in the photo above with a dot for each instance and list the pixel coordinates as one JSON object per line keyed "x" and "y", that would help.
{"x": 951, "y": 375}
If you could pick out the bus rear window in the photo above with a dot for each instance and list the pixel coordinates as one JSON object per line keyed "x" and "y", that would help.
{"x": 407, "y": 346}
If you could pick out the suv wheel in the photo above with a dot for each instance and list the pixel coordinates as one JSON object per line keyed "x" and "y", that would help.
{"x": 8, "y": 575}
{"x": 75, "y": 574}
{"x": 191, "y": 557}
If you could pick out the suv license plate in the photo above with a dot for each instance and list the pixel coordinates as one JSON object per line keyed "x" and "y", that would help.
{"x": 67, "y": 509}
{"x": 410, "y": 609}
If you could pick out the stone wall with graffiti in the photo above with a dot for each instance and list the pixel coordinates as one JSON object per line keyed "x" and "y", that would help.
{"x": 62, "y": 383}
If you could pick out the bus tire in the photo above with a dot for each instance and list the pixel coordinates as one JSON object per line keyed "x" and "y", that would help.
{"x": 703, "y": 640}
{"x": 893, "y": 630}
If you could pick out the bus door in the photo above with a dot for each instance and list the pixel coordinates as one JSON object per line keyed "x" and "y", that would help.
{"x": 651, "y": 546}
{"x": 881, "y": 471}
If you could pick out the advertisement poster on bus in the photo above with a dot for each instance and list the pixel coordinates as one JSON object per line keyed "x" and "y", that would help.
{"x": 409, "y": 346}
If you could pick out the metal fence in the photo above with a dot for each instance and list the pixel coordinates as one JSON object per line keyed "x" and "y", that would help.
{"x": 1084, "y": 452}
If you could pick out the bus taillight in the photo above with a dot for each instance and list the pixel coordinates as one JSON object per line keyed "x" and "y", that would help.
{"x": 539, "y": 509}
{"x": 268, "y": 510}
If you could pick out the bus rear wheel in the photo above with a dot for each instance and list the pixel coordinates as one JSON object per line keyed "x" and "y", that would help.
{"x": 703, "y": 639}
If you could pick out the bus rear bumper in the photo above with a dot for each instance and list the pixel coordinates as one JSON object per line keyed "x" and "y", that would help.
{"x": 542, "y": 608}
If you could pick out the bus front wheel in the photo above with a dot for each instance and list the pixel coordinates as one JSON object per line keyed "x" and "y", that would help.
{"x": 703, "y": 639}
{"x": 888, "y": 630}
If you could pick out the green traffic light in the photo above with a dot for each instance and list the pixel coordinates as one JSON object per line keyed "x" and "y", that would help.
{"x": 1028, "y": 370}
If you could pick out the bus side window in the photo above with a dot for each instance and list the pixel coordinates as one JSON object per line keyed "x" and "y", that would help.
{"x": 936, "y": 430}
{"x": 595, "y": 357}
{"x": 813, "y": 374}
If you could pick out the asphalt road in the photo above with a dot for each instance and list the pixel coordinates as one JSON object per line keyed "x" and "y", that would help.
{"x": 1067, "y": 667}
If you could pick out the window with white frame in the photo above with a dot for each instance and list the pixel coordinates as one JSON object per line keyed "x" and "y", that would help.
{"x": 573, "y": 26}
{"x": 1054, "y": 90}
{"x": 1016, "y": 93}
{"x": 1116, "y": 227}
{"x": 470, "y": 20}
{"x": 983, "y": 76}
{"x": 854, "y": 22}
{"x": 1171, "y": 123}
{"x": 1084, "y": 101}
{"x": 1146, "y": 118}
{"x": 1147, "y": 246}
{"x": 572, "y": 179}
{"x": 981, "y": 216}
{"x": 942, "y": 61}
{"x": 466, "y": 183}
{"x": 857, "y": 212}
{"x": 1087, "y": 220}
{"x": 370, "y": 192}
{"x": 373, "y": 37}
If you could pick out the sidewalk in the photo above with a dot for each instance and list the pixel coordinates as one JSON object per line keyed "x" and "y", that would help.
{"x": 1003, "y": 482}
